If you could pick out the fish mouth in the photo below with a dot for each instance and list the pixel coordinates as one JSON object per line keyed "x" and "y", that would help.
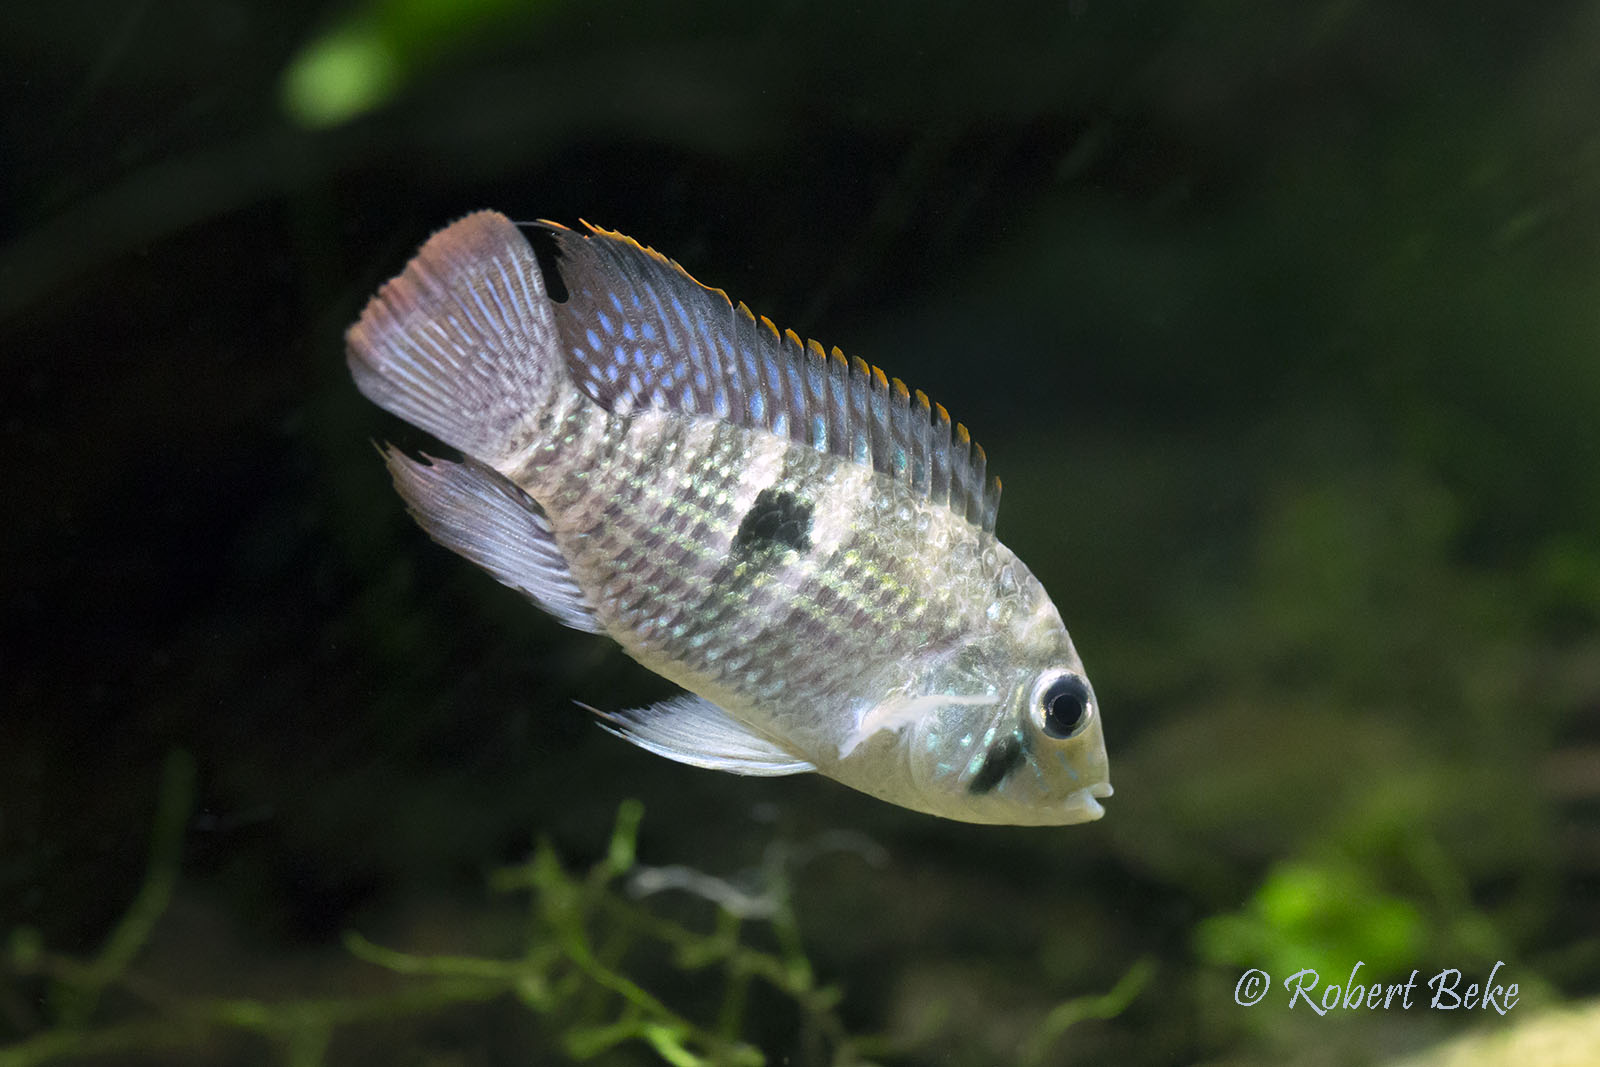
{"x": 1084, "y": 802}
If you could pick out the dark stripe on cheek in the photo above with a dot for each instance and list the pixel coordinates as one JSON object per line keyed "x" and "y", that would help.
{"x": 1002, "y": 758}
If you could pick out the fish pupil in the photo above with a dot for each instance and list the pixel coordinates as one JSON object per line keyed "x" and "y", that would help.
{"x": 1066, "y": 707}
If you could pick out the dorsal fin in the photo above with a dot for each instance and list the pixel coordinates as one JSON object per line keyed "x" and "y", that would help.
{"x": 638, "y": 331}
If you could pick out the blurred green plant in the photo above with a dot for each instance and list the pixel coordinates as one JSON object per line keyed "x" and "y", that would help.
{"x": 1069, "y": 1013}
{"x": 1378, "y": 890}
{"x": 347, "y": 71}
{"x": 1319, "y": 915}
{"x": 564, "y": 974}
{"x": 360, "y": 62}
{"x": 582, "y": 928}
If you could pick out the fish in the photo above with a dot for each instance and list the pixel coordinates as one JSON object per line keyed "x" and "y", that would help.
{"x": 802, "y": 544}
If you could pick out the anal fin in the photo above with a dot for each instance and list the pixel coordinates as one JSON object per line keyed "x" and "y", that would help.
{"x": 693, "y": 730}
{"x": 476, "y": 512}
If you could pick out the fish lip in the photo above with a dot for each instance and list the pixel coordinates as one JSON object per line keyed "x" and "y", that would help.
{"x": 1084, "y": 800}
{"x": 1080, "y": 805}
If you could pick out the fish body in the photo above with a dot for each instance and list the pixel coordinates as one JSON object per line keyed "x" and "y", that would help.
{"x": 793, "y": 538}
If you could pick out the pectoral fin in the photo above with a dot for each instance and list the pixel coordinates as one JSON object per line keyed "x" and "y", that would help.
{"x": 693, "y": 730}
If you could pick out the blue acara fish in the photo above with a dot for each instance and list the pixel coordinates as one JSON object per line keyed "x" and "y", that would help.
{"x": 801, "y": 543}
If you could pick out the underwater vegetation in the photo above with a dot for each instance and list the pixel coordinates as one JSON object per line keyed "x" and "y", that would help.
{"x": 579, "y": 931}
{"x": 1278, "y": 322}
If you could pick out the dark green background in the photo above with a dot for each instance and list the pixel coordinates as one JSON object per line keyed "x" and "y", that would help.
{"x": 1281, "y": 324}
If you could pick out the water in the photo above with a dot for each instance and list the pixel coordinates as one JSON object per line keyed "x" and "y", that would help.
{"x": 1278, "y": 326}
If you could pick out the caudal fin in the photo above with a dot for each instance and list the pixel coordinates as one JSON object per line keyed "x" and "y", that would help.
{"x": 463, "y": 343}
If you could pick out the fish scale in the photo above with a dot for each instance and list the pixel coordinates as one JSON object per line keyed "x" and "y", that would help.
{"x": 864, "y": 595}
{"x": 628, "y": 552}
{"x": 801, "y": 542}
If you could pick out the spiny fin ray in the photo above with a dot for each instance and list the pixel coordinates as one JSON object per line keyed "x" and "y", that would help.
{"x": 693, "y": 730}
{"x": 637, "y": 331}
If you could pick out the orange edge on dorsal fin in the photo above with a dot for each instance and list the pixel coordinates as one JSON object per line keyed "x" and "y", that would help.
{"x": 931, "y": 436}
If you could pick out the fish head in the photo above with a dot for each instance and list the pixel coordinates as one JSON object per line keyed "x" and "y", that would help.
{"x": 1011, "y": 734}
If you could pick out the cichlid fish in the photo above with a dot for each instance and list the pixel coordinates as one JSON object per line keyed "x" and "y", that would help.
{"x": 800, "y": 542}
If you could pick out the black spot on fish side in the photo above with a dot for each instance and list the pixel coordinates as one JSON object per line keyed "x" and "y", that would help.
{"x": 1002, "y": 758}
{"x": 776, "y": 519}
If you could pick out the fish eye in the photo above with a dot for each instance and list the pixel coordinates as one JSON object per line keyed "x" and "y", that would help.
{"x": 1065, "y": 707}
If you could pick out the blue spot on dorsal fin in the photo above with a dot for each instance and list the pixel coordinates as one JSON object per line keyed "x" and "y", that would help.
{"x": 694, "y": 351}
